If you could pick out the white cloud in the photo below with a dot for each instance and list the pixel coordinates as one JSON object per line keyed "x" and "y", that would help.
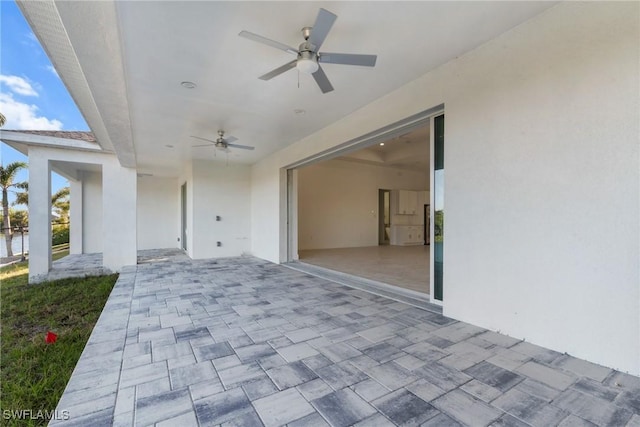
{"x": 18, "y": 85}
{"x": 31, "y": 36}
{"x": 53, "y": 70}
{"x": 21, "y": 116}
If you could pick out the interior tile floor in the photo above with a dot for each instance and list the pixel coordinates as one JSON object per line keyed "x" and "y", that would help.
{"x": 243, "y": 342}
{"x": 403, "y": 266}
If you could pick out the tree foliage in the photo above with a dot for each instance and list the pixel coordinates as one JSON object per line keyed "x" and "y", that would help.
{"x": 59, "y": 200}
{"x": 60, "y": 204}
{"x": 18, "y": 217}
{"x": 8, "y": 175}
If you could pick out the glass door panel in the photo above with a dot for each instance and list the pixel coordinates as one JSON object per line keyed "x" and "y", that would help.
{"x": 438, "y": 200}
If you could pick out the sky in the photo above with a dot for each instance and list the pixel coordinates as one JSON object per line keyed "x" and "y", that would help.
{"x": 32, "y": 96}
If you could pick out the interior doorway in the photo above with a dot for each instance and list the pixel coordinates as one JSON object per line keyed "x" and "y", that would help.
{"x": 183, "y": 216}
{"x": 349, "y": 213}
{"x": 427, "y": 224}
{"x": 384, "y": 217}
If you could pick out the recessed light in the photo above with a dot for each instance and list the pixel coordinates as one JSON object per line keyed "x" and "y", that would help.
{"x": 381, "y": 144}
{"x": 188, "y": 85}
{"x": 299, "y": 111}
{"x": 169, "y": 146}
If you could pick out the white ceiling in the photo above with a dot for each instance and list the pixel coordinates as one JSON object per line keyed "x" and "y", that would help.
{"x": 135, "y": 54}
{"x": 407, "y": 151}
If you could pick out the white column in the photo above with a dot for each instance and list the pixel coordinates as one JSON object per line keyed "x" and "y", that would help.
{"x": 75, "y": 216}
{"x": 119, "y": 231}
{"x": 39, "y": 216}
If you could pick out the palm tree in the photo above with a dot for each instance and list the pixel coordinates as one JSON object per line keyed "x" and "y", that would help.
{"x": 3, "y": 120}
{"x": 59, "y": 200}
{"x": 7, "y": 176}
{"x": 22, "y": 197}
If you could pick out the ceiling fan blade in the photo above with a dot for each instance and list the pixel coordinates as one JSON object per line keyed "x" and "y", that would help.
{"x": 279, "y": 70}
{"x": 322, "y": 80}
{"x": 348, "y": 59}
{"x": 229, "y": 139}
{"x": 324, "y": 22}
{"x": 204, "y": 139}
{"x": 269, "y": 42}
{"x": 244, "y": 147}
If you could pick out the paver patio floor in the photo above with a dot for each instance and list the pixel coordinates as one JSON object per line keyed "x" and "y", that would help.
{"x": 243, "y": 342}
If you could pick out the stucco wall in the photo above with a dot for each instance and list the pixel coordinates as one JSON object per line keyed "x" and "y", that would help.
{"x": 222, "y": 191}
{"x": 91, "y": 212}
{"x": 75, "y": 216}
{"x": 542, "y": 180}
{"x": 268, "y": 204}
{"x": 158, "y": 215}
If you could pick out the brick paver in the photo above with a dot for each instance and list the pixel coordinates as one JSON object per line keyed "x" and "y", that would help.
{"x": 241, "y": 341}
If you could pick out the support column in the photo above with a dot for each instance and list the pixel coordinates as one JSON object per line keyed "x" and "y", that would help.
{"x": 75, "y": 216}
{"x": 39, "y": 216}
{"x": 119, "y": 201}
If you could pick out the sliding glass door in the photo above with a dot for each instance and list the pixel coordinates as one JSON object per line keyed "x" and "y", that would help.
{"x": 438, "y": 200}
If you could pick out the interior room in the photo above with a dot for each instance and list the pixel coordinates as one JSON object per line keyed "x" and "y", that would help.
{"x": 366, "y": 213}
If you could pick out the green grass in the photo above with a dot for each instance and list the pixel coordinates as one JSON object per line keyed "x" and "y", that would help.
{"x": 33, "y": 374}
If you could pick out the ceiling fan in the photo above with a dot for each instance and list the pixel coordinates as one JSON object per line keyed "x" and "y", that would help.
{"x": 308, "y": 55}
{"x": 222, "y": 142}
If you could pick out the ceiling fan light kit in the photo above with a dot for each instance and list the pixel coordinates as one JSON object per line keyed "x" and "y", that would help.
{"x": 308, "y": 55}
{"x": 307, "y": 65}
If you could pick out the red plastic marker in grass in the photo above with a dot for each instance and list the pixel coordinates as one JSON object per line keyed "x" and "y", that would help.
{"x": 51, "y": 338}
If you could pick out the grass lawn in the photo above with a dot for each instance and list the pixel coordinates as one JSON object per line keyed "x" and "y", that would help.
{"x": 33, "y": 374}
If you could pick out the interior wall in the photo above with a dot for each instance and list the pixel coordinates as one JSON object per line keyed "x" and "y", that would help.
{"x": 158, "y": 213}
{"x": 542, "y": 194}
{"x": 338, "y": 202}
{"x": 91, "y": 212}
{"x": 224, "y": 191}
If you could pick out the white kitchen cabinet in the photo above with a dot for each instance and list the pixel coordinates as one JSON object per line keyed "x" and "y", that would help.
{"x": 407, "y": 202}
{"x": 405, "y": 235}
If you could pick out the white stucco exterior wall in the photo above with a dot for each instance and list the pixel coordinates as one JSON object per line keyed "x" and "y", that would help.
{"x": 268, "y": 204}
{"x": 39, "y": 215}
{"x": 91, "y": 212}
{"x": 119, "y": 220}
{"x": 108, "y": 207}
{"x": 224, "y": 191}
{"x": 75, "y": 216}
{"x": 542, "y": 180}
{"x": 158, "y": 213}
{"x": 542, "y": 211}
